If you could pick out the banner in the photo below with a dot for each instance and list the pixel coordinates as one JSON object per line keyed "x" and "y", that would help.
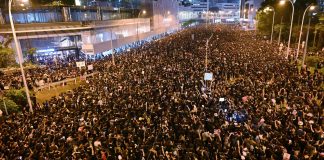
{"x": 208, "y": 76}
{"x": 90, "y": 67}
{"x": 80, "y": 64}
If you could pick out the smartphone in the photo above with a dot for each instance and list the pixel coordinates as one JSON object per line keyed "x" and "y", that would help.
{"x": 221, "y": 99}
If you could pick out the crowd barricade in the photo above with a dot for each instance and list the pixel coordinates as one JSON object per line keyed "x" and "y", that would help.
{"x": 63, "y": 82}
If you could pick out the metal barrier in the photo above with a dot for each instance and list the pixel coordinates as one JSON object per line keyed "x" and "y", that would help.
{"x": 62, "y": 83}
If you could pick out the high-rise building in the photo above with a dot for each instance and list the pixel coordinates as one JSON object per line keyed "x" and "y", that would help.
{"x": 192, "y": 9}
{"x": 199, "y": 5}
{"x": 227, "y": 11}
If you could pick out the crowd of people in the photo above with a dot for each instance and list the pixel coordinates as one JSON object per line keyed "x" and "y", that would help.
{"x": 154, "y": 104}
{"x": 39, "y": 76}
{"x": 56, "y": 68}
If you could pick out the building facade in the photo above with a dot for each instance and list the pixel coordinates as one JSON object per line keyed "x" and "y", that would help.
{"x": 215, "y": 11}
{"x": 91, "y": 30}
{"x": 194, "y": 9}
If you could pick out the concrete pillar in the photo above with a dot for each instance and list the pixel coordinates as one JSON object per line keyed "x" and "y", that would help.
{"x": 2, "y": 21}
{"x": 66, "y": 12}
{"x": 99, "y": 14}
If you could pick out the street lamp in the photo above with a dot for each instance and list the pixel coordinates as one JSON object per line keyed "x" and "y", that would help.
{"x": 144, "y": 12}
{"x": 249, "y": 11}
{"x": 310, "y": 7}
{"x": 206, "y": 55}
{"x": 282, "y": 2}
{"x": 270, "y": 8}
{"x": 306, "y": 43}
{"x": 112, "y": 48}
{"x": 20, "y": 58}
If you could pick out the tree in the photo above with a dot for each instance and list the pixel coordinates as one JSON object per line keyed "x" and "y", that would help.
{"x": 52, "y": 3}
{"x": 320, "y": 42}
{"x": 264, "y": 23}
{"x": 56, "y": 3}
{"x": 285, "y": 11}
{"x": 284, "y": 31}
{"x": 320, "y": 30}
{"x": 295, "y": 32}
{"x": 7, "y": 57}
{"x": 30, "y": 53}
{"x": 6, "y": 54}
{"x": 189, "y": 22}
{"x": 9, "y": 104}
{"x": 17, "y": 96}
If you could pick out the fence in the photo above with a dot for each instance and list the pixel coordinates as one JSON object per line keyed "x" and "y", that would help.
{"x": 62, "y": 83}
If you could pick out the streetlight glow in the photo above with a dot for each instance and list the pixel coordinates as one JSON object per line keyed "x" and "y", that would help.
{"x": 144, "y": 11}
{"x": 282, "y": 2}
{"x": 169, "y": 12}
{"x": 268, "y": 9}
{"x": 312, "y": 8}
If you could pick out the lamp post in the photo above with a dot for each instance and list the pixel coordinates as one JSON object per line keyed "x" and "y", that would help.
{"x": 251, "y": 21}
{"x": 112, "y": 47}
{"x": 315, "y": 33}
{"x": 20, "y": 57}
{"x": 144, "y": 12}
{"x": 282, "y": 2}
{"x": 248, "y": 17}
{"x": 279, "y": 37}
{"x": 244, "y": 12}
{"x": 306, "y": 43}
{"x": 310, "y": 7}
{"x": 270, "y": 8}
{"x": 206, "y": 55}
